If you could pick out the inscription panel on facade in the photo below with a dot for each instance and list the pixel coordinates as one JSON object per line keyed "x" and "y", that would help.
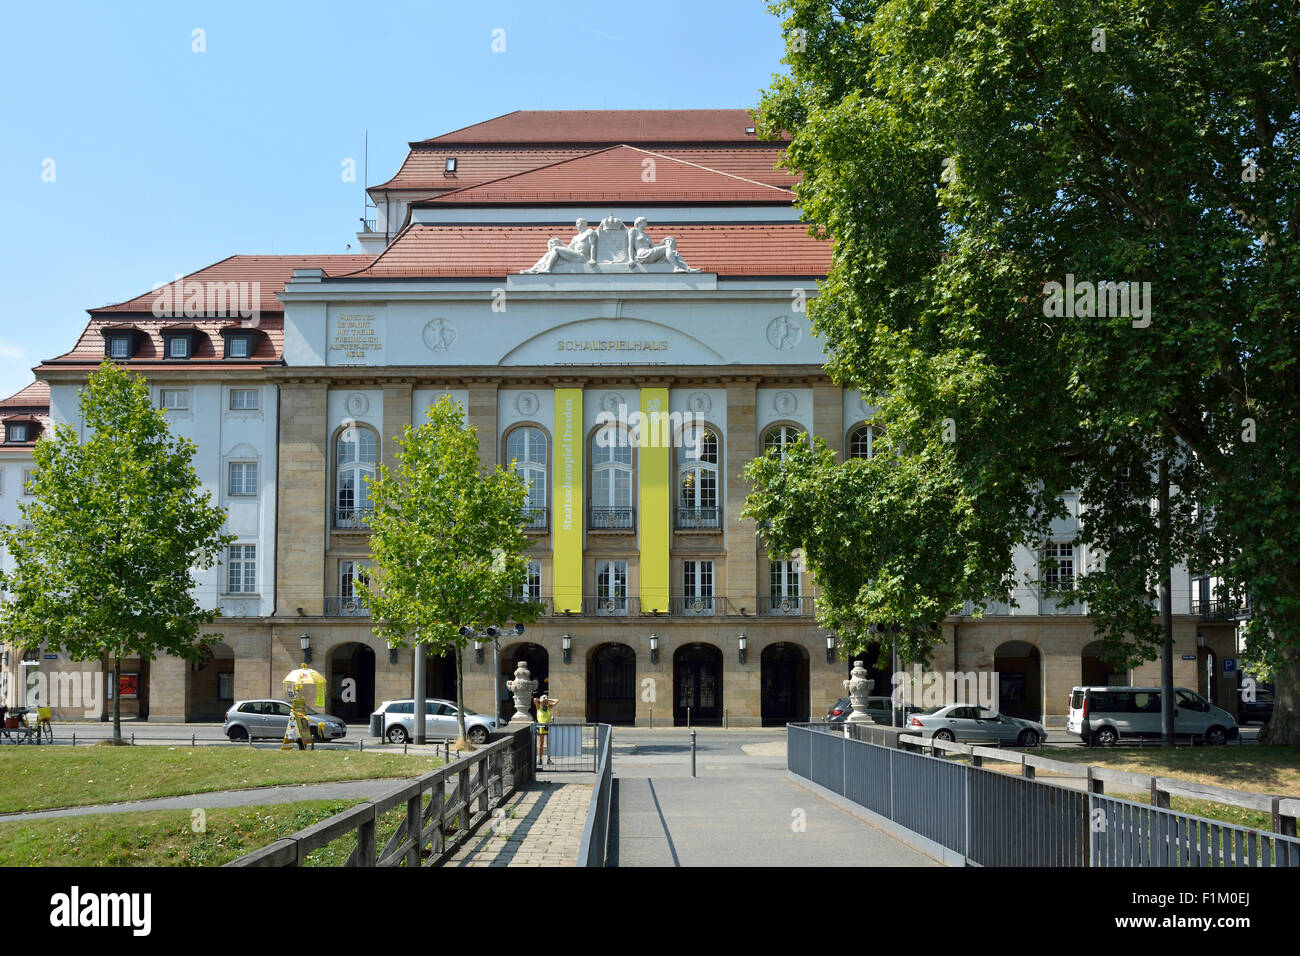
{"x": 356, "y": 336}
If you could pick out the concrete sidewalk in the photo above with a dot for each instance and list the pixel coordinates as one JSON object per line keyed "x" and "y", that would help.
{"x": 741, "y": 810}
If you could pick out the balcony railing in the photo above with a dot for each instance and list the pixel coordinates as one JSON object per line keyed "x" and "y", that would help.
{"x": 535, "y": 519}
{"x": 695, "y": 605}
{"x": 785, "y": 606}
{"x": 346, "y": 606}
{"x": 1216, "y": 609}
{"x": 613, "y": 519}
{"x": 352, "y": 519}
{"x": 605, "y": 605}
{"x": 698, "y": 519}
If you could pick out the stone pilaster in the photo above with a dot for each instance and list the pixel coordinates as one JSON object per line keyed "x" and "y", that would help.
{"x": 397, "y": 415}
{"x": 482, "y": 414}
{"x": 742, "y": 544}
{"x": 304, "y": 498}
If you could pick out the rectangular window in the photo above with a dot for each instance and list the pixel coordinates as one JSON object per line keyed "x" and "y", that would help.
{"x": 241, "y": 569}
{"x": 237, "y": 346}
{"x": 243, "y": 478}
{"x": 244, "y": 400}
{"x": 178, "y": 347}
{"x": 533, "y": 582}
{"x": 1057, "y": 563}
{"x": 28, "y": 475}
{"x": 226, "y": 685}
{"x": 174, "y": 399}
{"x": 16, "y": 433}
{"x": 697, "y": 587}
{"x": 611, "y": 587}
{"x": 350, "y": 572}
{"x": 119, "y": 347}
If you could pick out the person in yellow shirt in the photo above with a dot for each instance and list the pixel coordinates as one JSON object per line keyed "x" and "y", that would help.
{"x": 545, "y": 707}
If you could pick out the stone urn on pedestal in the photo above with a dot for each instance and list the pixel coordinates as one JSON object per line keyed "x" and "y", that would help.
{"x": 859, "y": 688}
{"x": 522, "y": 687}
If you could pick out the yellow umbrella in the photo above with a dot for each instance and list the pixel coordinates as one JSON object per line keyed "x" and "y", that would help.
{"x": 305, "y": 675}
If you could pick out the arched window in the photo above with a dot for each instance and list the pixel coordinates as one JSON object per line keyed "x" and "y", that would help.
{"x": 860, "y": 442}
{"x": 780, "y": 436}
{"x": 611, "y": 479}
{"x": 355, "y": 454}
{"x": 526, "y": 447}
{"x": 697, "y": 479}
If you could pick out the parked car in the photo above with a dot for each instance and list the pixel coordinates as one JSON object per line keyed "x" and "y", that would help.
{"x": 1103, "y": 715}
{"x": 972, "y": 724}
{"x": 880, "y": 710}
{"x": 269, "y": 718}
{"x": 439, "y": 721}
{"x": 1261, "y": 708}
{"x": 838, "y": 711}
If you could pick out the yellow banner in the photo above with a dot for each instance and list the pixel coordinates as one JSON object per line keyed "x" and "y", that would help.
{"x": 566, "y": 502}
{"x": 656, "y": 499}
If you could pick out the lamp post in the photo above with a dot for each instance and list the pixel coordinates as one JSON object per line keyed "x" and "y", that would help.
{"x": 491, "y": 634}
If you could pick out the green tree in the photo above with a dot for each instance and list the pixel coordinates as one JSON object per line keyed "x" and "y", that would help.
{"x": 447, "y": 541}
{"x": 118, "y": 526}
{"x": 965, "y": 155}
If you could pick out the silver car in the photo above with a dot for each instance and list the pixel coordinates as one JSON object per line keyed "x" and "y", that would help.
{"x": 971, "y": 724}
{"x": 268, "y": 718}
{"x": 439, "y": 721}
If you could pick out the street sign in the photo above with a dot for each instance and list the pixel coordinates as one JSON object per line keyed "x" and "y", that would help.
{"x": 1189, "y": 657}
{"x": 1229, "y": 665}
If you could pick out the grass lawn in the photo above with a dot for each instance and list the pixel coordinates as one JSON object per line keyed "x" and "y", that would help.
{"x": 165, "y": 837}
{"x": 46, "y": 778}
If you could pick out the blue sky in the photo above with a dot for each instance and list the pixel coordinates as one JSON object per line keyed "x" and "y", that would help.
{"x": 166, "y": 159}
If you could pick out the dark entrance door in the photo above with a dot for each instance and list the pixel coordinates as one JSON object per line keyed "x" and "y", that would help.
{"x": 353, "y": 703}
{"x": 697, "y": 684}
{"x": 611, "y": 685}
{"x": 784, "y": 677}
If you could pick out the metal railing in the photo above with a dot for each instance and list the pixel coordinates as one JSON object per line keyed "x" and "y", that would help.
{"x": 693, "y": 605}
{"x": 606, "y": 605}
{"x": 612, "y": 519}
{"x": 352, "y": 519}
{"x": 536, "y": 519}
{"x": 969, "y": 814}
{"x": 698, "y": 519}
{"x": 443, "y": 808}
{"x": 784, "y": 606}
{"x": 346, "y": 606}
{"x": 594, "y": 848}
{"x": 572, "y": 745}
{"x": 1219, "y": 610}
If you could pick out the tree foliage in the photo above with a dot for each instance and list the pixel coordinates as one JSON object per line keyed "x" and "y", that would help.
{"x": 119, "y": 523}
{"x": 447, "y": 541}
{"x": 964, "y": 155}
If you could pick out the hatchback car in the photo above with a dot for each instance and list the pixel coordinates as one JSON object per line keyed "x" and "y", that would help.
{"x": 268, "y": 718}
{"x": 972, "y": 724}
{"x": 398, "y": 718}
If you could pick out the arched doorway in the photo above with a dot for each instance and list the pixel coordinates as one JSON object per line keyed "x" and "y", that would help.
{"x": 352, "y": 702}
{"x": 697, "y": 684}
{"x": 1020, "y": 680}
{"x": 211, "y": 684}
{"x": 784, "y": 681}
{"x": 539, "y": 665}
{"x": 611, "y": 685}
{"x": 1098, "y": 670}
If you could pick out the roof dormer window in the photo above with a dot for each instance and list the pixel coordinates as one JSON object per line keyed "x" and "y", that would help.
{"x": 17, "y": 432}
{"x": 119, "y": 346}
{"x": 451, "y": 164}
{"x": 238, "y": 346}
{"x": 178, "y": 347}
{"x": 179, "y": 342}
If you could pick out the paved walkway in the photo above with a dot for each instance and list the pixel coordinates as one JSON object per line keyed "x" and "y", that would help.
{"x": 740, "y": 810}
{"x": 541, "y": 826}
{"x": 340, "y": 790}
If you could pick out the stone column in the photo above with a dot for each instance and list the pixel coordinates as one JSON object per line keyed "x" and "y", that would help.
{"x": 303, "y": 500}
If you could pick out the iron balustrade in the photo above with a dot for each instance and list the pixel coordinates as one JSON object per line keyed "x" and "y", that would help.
{"x": 789, "y": 606}
{"x": 1220, "y": 610}
{"x": 352, "y": 519}
{"x": 693, "y": 605}
{"x": 536, "y": 519}
{"x": 608, "y": 605}
{"x": 346, "y": 606}
{"x": 698, "y": 519}
{"x": 612, "y": 519}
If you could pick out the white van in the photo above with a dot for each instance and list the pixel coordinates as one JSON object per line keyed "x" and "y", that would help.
{"x": 1102, "y": 715}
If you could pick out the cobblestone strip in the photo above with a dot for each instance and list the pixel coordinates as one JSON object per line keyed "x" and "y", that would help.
{"x": 538, "y": 826}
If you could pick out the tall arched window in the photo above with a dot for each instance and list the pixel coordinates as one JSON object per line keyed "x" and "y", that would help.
{"x": 526, "y": 447}
{"x": 611, "y": 479}
{"x": 355, "y": 455}
{"x": 779, "y": 436}
{"x": 697, "y": 479}
{"x": 860, "y": 445}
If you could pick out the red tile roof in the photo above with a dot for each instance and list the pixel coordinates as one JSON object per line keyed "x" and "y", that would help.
{"x": 209, "y": 348}
{"x": 607, "y": 127}
{"x": 741, "y": 249}
{"x": 35, "y": 395}
{"x": 619, "y": 174}
{"x": 269, "y": 272}
{"x": 425, "y": 168}
{"x": 31, "y": 404}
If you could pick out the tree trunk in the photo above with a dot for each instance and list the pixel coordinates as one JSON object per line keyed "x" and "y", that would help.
{"x": 1283, "y": 729}
{"x": 117, "y": 699}
{"x": 461, "y": 742}
{"x": 1166, "y": 613}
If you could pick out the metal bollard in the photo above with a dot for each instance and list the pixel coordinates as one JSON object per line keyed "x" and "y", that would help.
{"x": 724, "y": 718}
{"x": 361, "y": 746}
{"x": 652, "y": 716}
{"x": 404, "y": 745}
{"x": 692, "y": 753}
{"x": 446, "y": 751}
{"x": 688, "y": 716}
{"x": 133, "y": 740}
{"x": 74, "y": 738}
{"x": 192, "y": 736}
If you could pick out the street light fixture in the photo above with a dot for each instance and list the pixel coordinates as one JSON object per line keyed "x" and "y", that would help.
{"x": 743, "y": 641}
{"x": 304, "y": 642}
{"x": 654, "y": 648}
{"x": 830, "y": 648}
{"x": 566, "y": 642}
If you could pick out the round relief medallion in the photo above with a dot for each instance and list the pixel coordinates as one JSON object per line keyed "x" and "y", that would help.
{"x": 356, "y": 405}
{"x": 782, "y": 333}
{"x": 611, "y": 402}
{"x": 526, "y": 403}
{"x": 700, "y": 403}
{"x": 439, "y": 334}
{"x": 785, "y": 402}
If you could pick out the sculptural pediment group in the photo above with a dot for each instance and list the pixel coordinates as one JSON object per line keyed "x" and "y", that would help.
{"x": 612, "y": 246}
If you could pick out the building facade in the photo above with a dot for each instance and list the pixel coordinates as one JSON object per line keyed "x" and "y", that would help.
{"x": 568, "y": 278}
